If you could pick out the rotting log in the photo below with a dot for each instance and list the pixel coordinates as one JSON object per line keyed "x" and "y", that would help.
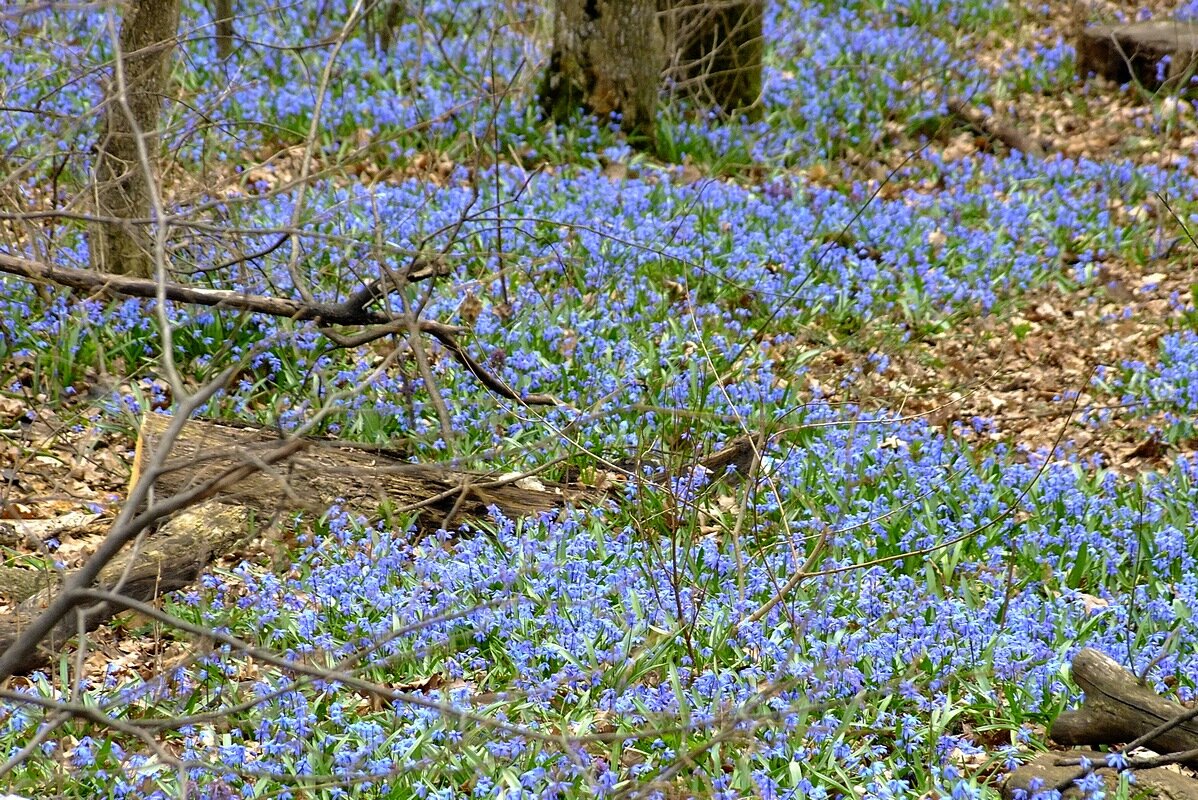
{"x": 1119, "y": 709}
{"x": 357, "y": 479}
{"x": 168, "y": 560}
{"x": 1158, "y": 782}
{"x": 315, "y": 476}
{"x": 318, "y": 475}
{"x": 1138, "y": 51}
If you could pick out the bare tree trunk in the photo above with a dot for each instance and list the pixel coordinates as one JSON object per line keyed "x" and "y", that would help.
{"x": 715, "y": 49}
{"x": 223, "y": 19}
{"x": 133, "y": 104}
{"x": 607, "y": 59}
{"x": 381, "y": 23}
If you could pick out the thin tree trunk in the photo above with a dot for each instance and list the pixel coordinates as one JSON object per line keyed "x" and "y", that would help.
{"x": 223, "y": 14}
{"x": 131, "y": 112}
{"x": 382, "y": 22}
{"x": 607, "y": 59}
{"x": 716, "y": 48}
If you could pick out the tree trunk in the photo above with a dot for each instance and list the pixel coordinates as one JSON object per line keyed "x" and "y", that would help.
{"x": 132, "y": 106}
{"x": 715, "y": 49}
{"x": 381, "y": 23}
{"x": 223, "y": 21}
{"x": 607, "y": 59}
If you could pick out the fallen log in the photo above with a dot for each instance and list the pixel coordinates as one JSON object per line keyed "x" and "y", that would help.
{"x": 1043, "y": 772}
{"x": 1119, "y": 709}
{"x": 359, "y": 480}
{"x": 170, "y": 559}
{"x": 314, "y": 476}
{"x": 18, "y": 583}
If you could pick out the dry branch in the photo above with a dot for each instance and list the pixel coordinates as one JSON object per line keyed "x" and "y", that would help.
{"x": 352, "y": 312}
{"x": 90, "y": 281}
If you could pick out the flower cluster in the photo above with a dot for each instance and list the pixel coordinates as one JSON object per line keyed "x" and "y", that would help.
{"x": 580, "y": 653}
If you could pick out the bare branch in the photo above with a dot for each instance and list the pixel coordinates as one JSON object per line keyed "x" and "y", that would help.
{"x": 350, "y": 312}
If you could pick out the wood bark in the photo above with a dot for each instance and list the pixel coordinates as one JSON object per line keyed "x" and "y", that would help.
{"x": 357, "y": 479}
{"x": 715, "y": 52}
{"x": 607, "y": 59}
{"x": 1122, "y": 53}
{"x": 223, "y": 22}
{"x": 381, "y": 23}
{"x": 171, "y": 559}
{"x": 1118, "y": 708}
{"x": 1159, "y": 782}
{"x": 362, "y": 481}
{"x": 18, "y": 583}
{"x": 132, "y": 108}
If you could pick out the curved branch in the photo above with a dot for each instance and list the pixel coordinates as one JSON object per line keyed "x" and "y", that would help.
{"x": 88, "y": 280}
{"x": 351, "y": 312}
